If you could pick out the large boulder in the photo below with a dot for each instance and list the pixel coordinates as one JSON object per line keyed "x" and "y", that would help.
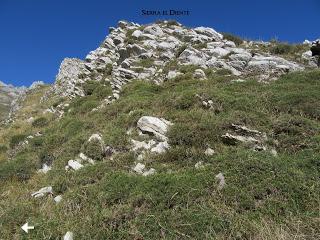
{"x": 209, "y": 32}
{"x": 154, "y": 125}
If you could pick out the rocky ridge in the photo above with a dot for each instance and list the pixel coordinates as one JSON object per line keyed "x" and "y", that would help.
{"x": 132, "y": 51}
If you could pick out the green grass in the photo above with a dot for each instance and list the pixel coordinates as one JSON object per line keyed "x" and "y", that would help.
{"x": 265, "y": 197}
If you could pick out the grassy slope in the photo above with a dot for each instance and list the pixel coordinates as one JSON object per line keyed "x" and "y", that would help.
{"x": 265, "y": 197}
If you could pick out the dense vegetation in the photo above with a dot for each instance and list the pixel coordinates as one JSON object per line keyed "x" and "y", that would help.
{"x": 265, "y": 196}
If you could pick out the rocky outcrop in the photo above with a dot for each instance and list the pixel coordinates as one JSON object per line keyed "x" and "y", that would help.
{"x": 69, "y": 79}
{"x": 117, "y": 60}
{"x": 10, "y": 97}
{"x": 249, "y": 137}
{"x": 154, "y": 125}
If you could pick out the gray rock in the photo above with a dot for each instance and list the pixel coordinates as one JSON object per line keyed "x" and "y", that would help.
{"x": 58, "y": 199}
{"x": 221, "y": 181}
{"x": 75, "y": 165}
{"x": 191, "y": 56}
{"x": 136, "y": 34}
{"x": 209, "y": 32}
{"x": 173, "y": 74}
{"x": 42, "y": 192}
{"x": 153, "y": 30}
{"x": 153, "y": 125}
{"x": 160, "y": 148}
{"x": 199, "y": 74}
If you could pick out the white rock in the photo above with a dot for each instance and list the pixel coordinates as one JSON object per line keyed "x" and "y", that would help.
{"x": 199, "y": 74}
{"x": 274, "y": 152}
{"x": 58, "y": 199}
{"x": 30, "y": 120}
{"x": 45, "y": 168}
{"x": 68, "y": 236}
{"x": 136, "y": 34}
{"x": 219, "y": 52}
{"x": 151, "y": 171}
{"x": 192, "y": 56}
{"x": 136, "y": 145}
{"x": 75, "y": 165}
{"x": 209, "y": 152}
{"x": 85, "y": 158}
{"x": 153, "y": 30}
{"x": 199, "y": 165}
{"x": 221, "y": 180}
{"x": 161, "y": 147}
{"x": 307, "y": 42}
{"x": 209, "y": 32}
{"x": 139, "y": 168}
{"x": 95, "y": 137}
{"x": 173, "y": 74}
{"x": 42, "y": 192}
{"x": 307, "y": 54}
{"x": 154, "y": 125}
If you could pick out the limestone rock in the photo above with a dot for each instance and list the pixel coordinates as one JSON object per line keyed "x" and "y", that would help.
{"x": 42, "y": 192}
{"x": 68, "y": 236}
{"x": 58, "y": 199}
{"x": 160, "y": 148}
{"x": 75, "y": 165}
{"x": 221, "y": 180}
{"x": 199, "y": 74}
{"x": 154, "y": 125}
{"x": 45, "y": 168}
{"x": 209, "y": 32}
{"x": 209, "y": 152}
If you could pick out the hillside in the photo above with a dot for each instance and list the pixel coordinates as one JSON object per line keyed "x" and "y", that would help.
{"x": 8, "y": 96}
{"x": 167, "y": 132}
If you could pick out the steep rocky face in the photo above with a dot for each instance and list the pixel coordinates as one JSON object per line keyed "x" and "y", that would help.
{"x": 132, "y": 51}
{"x": 9, "y": 96}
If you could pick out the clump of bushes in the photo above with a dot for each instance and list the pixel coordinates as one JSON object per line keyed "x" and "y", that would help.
{"x": 40, "y": 122}
{"x": 231, "y": 37}
{"x": 281, "y": 48}
{"x": 18, "y": 168}
{"x": 16, "y": 139}
{"x": 94, "y": 149}
{"x": 97, "y": 89}
{"x": 223, "y": 71}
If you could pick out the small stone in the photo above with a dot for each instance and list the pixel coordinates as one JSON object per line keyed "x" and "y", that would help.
{"x": 58, "y": 199}
{"x": 161, "y": 147}
{"x": 45, "y": 168}
{"x": 139, "y": 168}
{"x": 199, "y": 165}
{"x": 221, "y": 180}
{"x": 68, "y": 236}
{"x": 274, "y": 152}
{"x": 209, "y": 152}
{"x": 42, "y": 192}
{"x": 75, "y": 165}
{"x": 199, "y": 74}
{"x": 151, "y": 171}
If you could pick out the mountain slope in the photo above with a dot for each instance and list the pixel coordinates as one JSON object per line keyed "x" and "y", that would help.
{"x": 8, "y": 95}
{"x": 203, "y": 154}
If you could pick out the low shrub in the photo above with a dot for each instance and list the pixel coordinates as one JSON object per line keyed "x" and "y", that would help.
{"x": 94, "y": 150}
{"x": 40, "y": 122}
{"x": 16, "y": 139}
{"x": 231, "y": 37}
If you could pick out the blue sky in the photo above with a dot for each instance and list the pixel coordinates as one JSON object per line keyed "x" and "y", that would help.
{"x": 36, "y": 35}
